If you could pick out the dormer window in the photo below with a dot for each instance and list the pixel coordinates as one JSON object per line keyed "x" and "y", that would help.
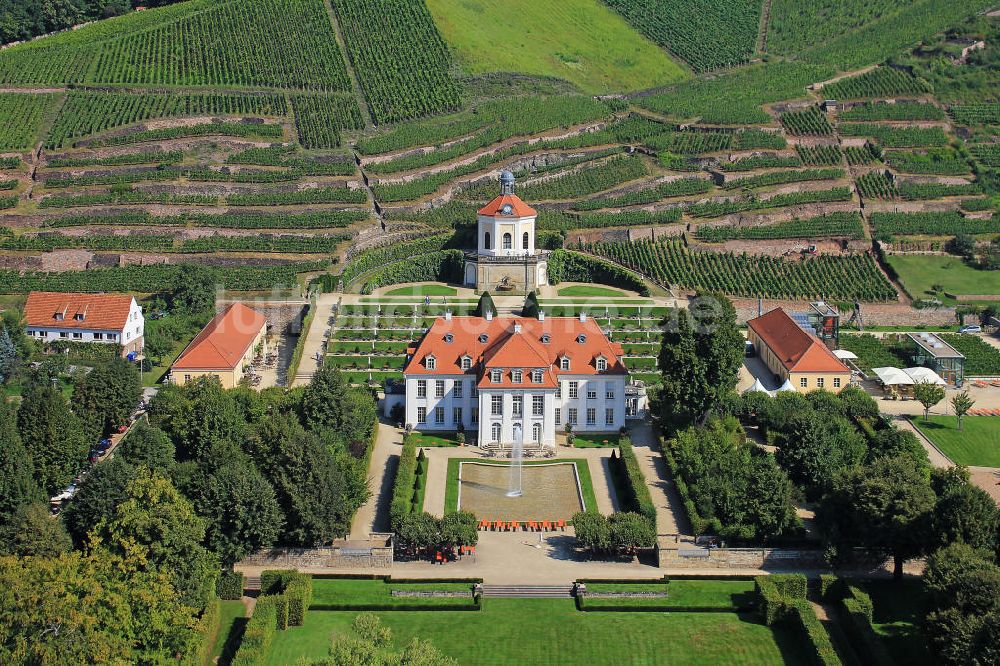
{"x": 546, "y": 338}
{"x": 79, "y": 316}
{"x": 516, "y": 376}
{"x": 602, "y": 364}
{"x": 448, "y": 337}
{"x": 581, "y": 338}
{"x": 507, "y": 209}
{"x": 483, "y": 338}
{"x": 564, "y": 363}
{"x": 495, "y": 376}
{"x": 466, "y": 362}
{"x": 59, "y": 316}
{"x": 431, "y": 363}
{"x": 536, "y": 376}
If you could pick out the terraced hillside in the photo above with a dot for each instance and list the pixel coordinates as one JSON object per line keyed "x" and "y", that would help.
{"x": 237, "y": 158}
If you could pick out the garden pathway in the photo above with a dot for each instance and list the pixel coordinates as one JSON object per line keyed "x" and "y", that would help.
{"x": 315, "y": 340}
{"x": 373, "y": 516}
{"x": 670, "y": 516}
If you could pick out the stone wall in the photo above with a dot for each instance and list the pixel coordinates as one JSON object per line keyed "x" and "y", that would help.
{"x": 333, "y": 557}
{"x": 741, "y": 558}
{"x": 874, "y": 314}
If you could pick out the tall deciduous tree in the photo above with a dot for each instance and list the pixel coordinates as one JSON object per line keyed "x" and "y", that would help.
{"x": 961, "y": 403}
{"x": 198, "y": 415}
{"x": 329, "y": 403}
{"x": 8, "y": 356}
{"x": 101, "y": 491}
{"x": 53, "y": 436}
{"x": 17, "y": 480}
{"x": 928, "y": 395}
{"x": 194, "y": 291}
{"x": 241, "y": 510}
{"x": 886, "y": 506}
{"x": 700, "y": 357}
{"x": 159, "y": 525}
{"x": 106, "y": 397}
{"x": 32, "y": 531}
{"x": 149, "y": 446}
{"x": 816, "y": 446}
{"x": 963, "y": 512}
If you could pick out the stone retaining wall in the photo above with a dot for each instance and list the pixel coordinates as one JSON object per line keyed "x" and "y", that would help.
{"x": 334, "y": 557}
{"x": 741, "y": 558}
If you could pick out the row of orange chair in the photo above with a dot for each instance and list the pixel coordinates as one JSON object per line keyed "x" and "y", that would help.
{"x": 528, "y": 525}
{"x": 984, "y": 412}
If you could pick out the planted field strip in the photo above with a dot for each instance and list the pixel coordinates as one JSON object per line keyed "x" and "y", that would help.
{"x": 501, "y": 119}
{"x": 589, "y": 180}
{"x": 876, "y": 185}
{"x": 625, "y": 218}
{"x": 936, "y": 224}
{"x": 825, "y": 276}
{"x": 129, "y": 159}
{"x": 917, "y": 191}
{"x": 900, "y": 111}
{"x": 857, "y": 155}
{"x": 708, "y": 34}
{"x": 399, "y": 57}
{"x": 674, "y": 188}
{"x": 938, "y": 161}
{"x": 880, "y": 82}
{"x": 975, "y": 115}
{"x": 897, "y": 137}
{"x": 762, "y": 162}
{"x": 369, "y": 260}
{"x": 780, "y": 177}
{"x": 848, "y": 225}
{"x": 250, "y": 220}
{"x": 319, "y": 119}
{"x": 258, "y": 130}
{"x": 820, "y": 155}
{"x": 91, "y": 112}
{"x": 152, "y": 278}
{"x": 809, "y": 122}
{"x": 987, "y": 153}
{"x": 719, "y": 208}
{"x": 690, "y": 143}
{"x": 21, "y": 118}
{"x": 281, "y": 43}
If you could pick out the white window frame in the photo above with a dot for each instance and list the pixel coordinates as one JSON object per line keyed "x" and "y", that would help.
{"x": 516, "y": 376}
{"x": 602, "y": 364}
{"x": 538, "y": 405}
{"x": 439, "y": 388}
{"x": 431, "y": 363}
{"x": 495, "y": 431}
{"x": 571, "y": 417}
{"x": 496, "y": 405}
{"x": 591, "y": 416}
{"x": 574, "y": 390}
{"x": 439, "y": 415}
{"x": 564, "y": 363}
{"x": 609, "y": 416}
{"x": 421, "y": 388}
{"x": 421, "y": 415}
{"x": 517, "y": 403}
{"x": 458, "y": 389}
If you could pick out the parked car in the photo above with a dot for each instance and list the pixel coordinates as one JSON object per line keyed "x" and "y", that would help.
{"x": 971, "y": 328}
{"x": 94, "y": 455}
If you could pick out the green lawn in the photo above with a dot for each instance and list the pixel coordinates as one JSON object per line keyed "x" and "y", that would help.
{"x": 589, "y": 441}
{"x": 581, "y": 290}
{"x": 729, "y": 594}
{"x": 919, "y": 272}
{"x": 423, "y": 290}
{"x": 231, "y": 622}
{"x": 582, "y": 472}
{"x": 366, "y": 593}
{"x": 434, "y": 439}
{"x": 977, "y": 444}
{"x": 516, "y": 632}
{"x": 899, "y": 609}
{"x": 581, "y": 41}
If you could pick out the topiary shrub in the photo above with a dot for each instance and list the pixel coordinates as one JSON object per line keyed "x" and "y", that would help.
{"x": 299, "y": 595}
{"x": 258, "y": 634}
{"x": 230, "y": 585}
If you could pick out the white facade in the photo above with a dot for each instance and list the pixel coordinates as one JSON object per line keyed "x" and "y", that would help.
{"x": 130, "y": 335}
{"x": 506, "y": 236}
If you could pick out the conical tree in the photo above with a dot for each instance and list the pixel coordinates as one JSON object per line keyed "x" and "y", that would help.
{"x": 485, "y": 305}
{"x": 531, "y": 306}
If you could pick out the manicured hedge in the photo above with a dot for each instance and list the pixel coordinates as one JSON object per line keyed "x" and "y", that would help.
{"x": 230, "y": 585}
{"x": 699, "y": 524}
{"x": 783, "y": 599}
{"x": 819, "y": 648}
{"x": 639, "y": 499}
{"x": 259, "y": 633}
{"x": 566, "y": 266}
{"x": 777, "y": 592}
{"x": 856, "y": 610}
{"x": 406, "y": 477}
{"x": 207, "y": 628}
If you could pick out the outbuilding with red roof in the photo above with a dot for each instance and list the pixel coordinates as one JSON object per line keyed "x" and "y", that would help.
{"x": 794, "y": 354}
{"x": 115, "y": 319}
{"x": 225, "y": 348}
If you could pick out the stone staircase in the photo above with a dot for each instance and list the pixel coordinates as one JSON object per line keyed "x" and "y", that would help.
{"x": 251, "y": 583}
{"x": 529, "y": 591}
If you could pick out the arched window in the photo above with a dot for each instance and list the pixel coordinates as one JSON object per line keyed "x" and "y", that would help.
{"x": 495, "y": 432}
{"x": 524, "y": 241}
{"x": 508, "y": 242}
{"x": 486, "y": 241}
{"x": 536, "y": 433}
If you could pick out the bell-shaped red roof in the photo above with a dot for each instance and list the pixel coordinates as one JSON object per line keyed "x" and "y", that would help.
{"x": 507, "y": 205}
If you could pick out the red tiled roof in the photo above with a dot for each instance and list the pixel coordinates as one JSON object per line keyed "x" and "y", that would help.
{"x": 518, "y": 207}
{"x": 101, "y": 312}
{"x": 796, "y": 349}
{"x": 506, "y": 349}
{"x": 224, "y": 341}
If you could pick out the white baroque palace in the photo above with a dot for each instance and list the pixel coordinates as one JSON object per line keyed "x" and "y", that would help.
{"x": 515, "y": 379}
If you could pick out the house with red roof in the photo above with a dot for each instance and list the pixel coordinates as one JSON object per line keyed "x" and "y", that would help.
{"x": 505, "y": 259}
{"x": 226, "y": 348}
{"x": 795, "y": 355}
{"x": 515, "y": 379}
{"x": 114, "y": 319}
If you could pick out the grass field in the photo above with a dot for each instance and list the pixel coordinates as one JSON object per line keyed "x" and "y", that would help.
{"x": 231, "y": 622}
{"x": 587, "y": 441}
{"x": 725, "y": 594}
{"x": 423, "y": 290}
{"x": 977, "y": 444}
{"x": 581, "y": 41}
{"x": 366, "y": 593}
{"x": 434, "y": 439}
{"x": 540, "y": 631}
{"x": 919, "y": 272}
{"x": 581, "y": 290}
{"x": 899, "y": 608}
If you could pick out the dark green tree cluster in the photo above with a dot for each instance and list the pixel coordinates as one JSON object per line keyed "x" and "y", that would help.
{"x": 734, "y": 482}
{"x": 622, "y": 532}
{"x": 24, "y": 19}
{"x": 421, "y": 530}
{"x": 700, "y": 357}
{"x": 485, "y": 305}
{"x": 369, "y": 644}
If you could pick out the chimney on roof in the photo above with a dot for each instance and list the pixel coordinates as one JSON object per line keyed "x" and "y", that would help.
{"x": 541, "y": 315}
{"x": 447, "y": 315}
{"x": 583, "y": 317}
{"x": 517, "y": 327}
{"x": 489, "y": 315}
